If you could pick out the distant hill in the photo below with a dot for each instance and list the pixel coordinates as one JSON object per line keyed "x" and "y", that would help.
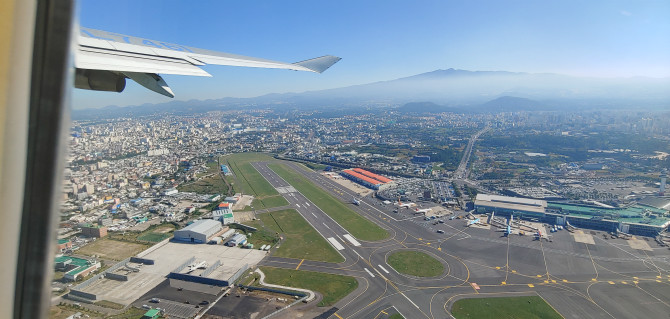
{"x": 501, "y": 104}
{"x": 511, "y": 104}
{"x": 424, "y": 107}
{"x": 448, "y": 90}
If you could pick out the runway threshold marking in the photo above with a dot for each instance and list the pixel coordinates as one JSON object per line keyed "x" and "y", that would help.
{"x": 369, "y": 272}
{"x": 384, "y": 269}
{"x": 335, "y": 243}
{"x": 296, "y": 268}
{"x": 351, "y": 239}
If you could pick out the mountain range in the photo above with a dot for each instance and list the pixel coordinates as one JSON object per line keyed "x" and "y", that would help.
{"x": 448, "y": 90}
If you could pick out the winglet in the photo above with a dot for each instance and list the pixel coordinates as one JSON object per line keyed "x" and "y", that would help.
{"x": 319, "y": 64}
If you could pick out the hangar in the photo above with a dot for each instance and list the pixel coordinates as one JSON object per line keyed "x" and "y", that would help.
{"x": 199, "y": 231}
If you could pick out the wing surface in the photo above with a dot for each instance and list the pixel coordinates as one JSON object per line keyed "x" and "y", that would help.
{"x": 102, "y": 50}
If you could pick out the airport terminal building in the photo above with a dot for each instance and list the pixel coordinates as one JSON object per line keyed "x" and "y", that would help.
{"x": 637, "y": 219}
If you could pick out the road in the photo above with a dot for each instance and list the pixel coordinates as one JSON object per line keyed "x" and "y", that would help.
{"x": 462, "y": 170}
{"x": 606, "y": 280}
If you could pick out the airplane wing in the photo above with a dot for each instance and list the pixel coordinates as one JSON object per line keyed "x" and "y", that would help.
{"x": 104, "y": 60}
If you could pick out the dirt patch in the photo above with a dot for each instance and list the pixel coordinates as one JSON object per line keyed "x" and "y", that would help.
{"x": 639, "y": 244}
{"x": 360, "y": 190}
{"x": 581, "y": 237}
{"x": 244, "y": 201}
{"x": 111, "y": 249}
{"x": 242, "y": 217}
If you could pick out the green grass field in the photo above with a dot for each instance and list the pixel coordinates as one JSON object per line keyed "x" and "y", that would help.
{"x": 504, "y": 307}
{"x": 212, "y": 184}
{"x": 249, "y": 181}
{"x": 396, "y": 316}
{"x": 301, "y": 240}
{"x": 208, "y": 185}
{"x": 261, "y": 237}
{"x": 153, "y": 237}
{"x": 415, "y": 263}
{"x": 332, "y": 287}
{"x": 357, "y": 225}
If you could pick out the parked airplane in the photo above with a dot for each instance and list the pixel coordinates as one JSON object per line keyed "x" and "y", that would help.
{"x": 194, "y": 266}
{"x": 405, "y": 205}
{"x": 423, "y": 210}
{"x": 104, "y": 60}
{"x": 508, "y": 231}
{"x": 472, "y": 222}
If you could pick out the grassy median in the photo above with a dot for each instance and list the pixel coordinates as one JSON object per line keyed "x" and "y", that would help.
{"x": 504, "y": 307}
{"x": 302, "y": 241}
{"x": 331, "y": 287}
{"x": 415, "y": 263}
{"x": 355, "y": 224}
{"x": 250, "y": 181}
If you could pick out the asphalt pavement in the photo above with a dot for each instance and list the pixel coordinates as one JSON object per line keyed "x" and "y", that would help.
{"x": 605, "y": 280}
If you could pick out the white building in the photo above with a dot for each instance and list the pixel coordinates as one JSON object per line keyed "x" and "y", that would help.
{"x": 224, "y": 213}
{"x": 199, "y": 231}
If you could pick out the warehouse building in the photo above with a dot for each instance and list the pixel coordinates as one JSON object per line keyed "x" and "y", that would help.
{"x": 198, "y": 232}
{"x": 367, "y": 179}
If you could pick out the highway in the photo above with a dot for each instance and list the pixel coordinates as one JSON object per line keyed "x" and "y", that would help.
{"x": 462, "y": 172}
{"x": 579, "y": 280}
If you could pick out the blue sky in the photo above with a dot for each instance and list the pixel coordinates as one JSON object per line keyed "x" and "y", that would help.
{"x": 384, "y": 40}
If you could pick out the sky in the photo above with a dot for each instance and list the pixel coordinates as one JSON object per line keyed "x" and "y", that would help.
{"x": 385, "y": 40}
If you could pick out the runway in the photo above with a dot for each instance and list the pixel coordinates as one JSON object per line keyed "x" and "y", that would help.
{"x": 605, "y": 280}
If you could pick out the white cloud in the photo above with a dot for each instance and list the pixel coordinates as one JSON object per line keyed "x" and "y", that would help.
{"x": 626, "y": 13}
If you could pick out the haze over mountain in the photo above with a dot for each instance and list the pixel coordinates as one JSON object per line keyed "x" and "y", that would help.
{"x": 454, "y": 90}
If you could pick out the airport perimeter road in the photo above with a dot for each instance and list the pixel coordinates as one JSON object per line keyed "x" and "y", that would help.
{"x": 607, "y": 279}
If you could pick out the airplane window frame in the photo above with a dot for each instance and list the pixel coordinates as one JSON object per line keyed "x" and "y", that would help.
{"x": 51, "y": 78}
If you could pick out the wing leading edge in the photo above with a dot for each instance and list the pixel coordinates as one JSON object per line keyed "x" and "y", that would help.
{"x": 105, "y": 59}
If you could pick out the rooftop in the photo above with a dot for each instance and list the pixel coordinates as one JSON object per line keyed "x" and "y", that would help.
{"x": 80, "y": 263}
{"x": 202, "y": 225}
{"x": 632, "y": 214}
{"x": 362, "y": 177}
{"x": 512, "y": 203}
{"x": 373, "y": 175}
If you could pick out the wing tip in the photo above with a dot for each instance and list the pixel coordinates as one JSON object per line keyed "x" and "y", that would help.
{"x": 319, "y": 64}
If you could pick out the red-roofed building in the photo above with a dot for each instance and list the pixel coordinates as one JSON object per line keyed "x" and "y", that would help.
{"x": 373, "y": 175}
{"x": 361, "y": 179}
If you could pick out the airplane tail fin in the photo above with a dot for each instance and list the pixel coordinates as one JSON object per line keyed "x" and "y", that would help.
{"x": 319, "y": 64}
